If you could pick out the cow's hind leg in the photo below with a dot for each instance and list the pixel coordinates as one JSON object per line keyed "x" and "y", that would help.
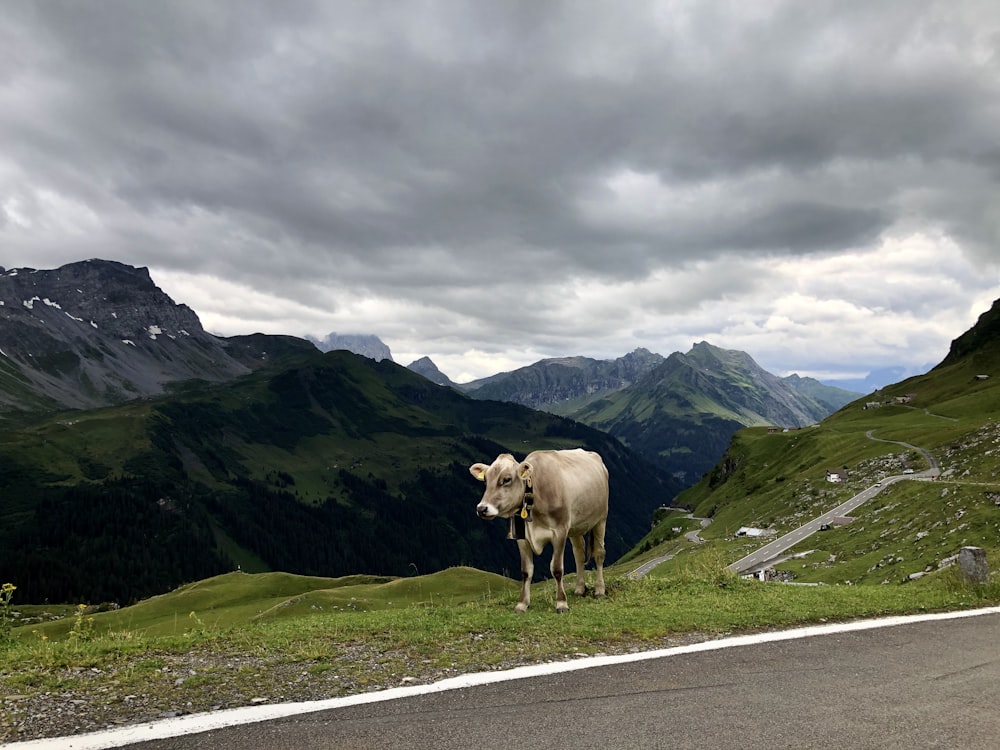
{"x": 598, "y": 552}
{"x": 580, "y": 557}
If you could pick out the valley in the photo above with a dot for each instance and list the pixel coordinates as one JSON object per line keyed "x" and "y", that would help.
{"x": 302, "y": 460}
{"x": 889, "y": 522}
{"x": 151, "y": 453}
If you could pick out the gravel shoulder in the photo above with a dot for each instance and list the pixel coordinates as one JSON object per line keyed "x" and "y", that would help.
{"x": 71, "y": 701}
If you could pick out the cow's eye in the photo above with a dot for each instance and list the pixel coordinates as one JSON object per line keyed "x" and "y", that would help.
{"x": 505, "y": 480}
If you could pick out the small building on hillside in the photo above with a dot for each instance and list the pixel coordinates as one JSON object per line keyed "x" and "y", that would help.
{"x": 836, "y": 475}
{"x": 750, "y": 531}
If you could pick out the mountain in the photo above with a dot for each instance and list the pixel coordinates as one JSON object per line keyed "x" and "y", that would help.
{"x": 425, "y": 366}
{"x": 185, "y": 454}
{"x": 331, "y": 465}
{"x": 678, "y": 412}
{"x": 550, "y": 382}
{"x": 684, "y": 412}
{"x": 97, "y": 332}
{"x": 979, "y": 343}
{"x": 876, "y": 379}
{"x": 829, "y": 398}
{"x": 256, "y": 350}
{"x": 910, "y": 529}
{"x": 367, "y": 345}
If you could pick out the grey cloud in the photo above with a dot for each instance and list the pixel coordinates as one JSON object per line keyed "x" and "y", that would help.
{"x": 488, "y": 146}
{"x": 390, "y": 151}
{"x": 812, "y": 226}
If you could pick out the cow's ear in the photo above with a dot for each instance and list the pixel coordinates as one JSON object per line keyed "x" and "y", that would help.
{"x": 479, "y": 471}
{"x": 524, "y": 470}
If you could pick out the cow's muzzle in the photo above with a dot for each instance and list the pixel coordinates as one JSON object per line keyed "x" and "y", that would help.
{"x": 485, "y": 510}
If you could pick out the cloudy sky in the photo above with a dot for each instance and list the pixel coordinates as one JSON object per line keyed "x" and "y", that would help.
{"x": 490, "y": 183}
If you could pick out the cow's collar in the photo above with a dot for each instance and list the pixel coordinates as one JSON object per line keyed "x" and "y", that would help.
{"x": 529, "y": 500}
{"x": 523, "y": 516}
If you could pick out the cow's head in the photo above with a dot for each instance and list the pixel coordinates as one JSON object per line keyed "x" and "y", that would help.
{"x": 504, "y": 479}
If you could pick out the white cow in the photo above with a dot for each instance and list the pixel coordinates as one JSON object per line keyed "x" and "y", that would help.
{"x": 550, "y": 496}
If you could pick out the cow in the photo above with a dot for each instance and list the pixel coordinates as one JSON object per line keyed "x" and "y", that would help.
{"x": 550, "y": 496}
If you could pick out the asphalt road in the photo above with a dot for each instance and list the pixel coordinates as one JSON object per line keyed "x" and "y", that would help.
{"x": 692, "y": 536}
{"x": 933, "y": 684}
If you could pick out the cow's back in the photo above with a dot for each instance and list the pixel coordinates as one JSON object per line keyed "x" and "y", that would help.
{"x": 571, "y": 482}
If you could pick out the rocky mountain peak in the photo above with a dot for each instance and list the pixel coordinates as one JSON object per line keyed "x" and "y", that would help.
{"x": 425, "y": 366}
{"x": 982, "y": 337}
{"x": 367, "y": 345}
{"x": 121, "y": 300}
{"x": 99, "y": 332}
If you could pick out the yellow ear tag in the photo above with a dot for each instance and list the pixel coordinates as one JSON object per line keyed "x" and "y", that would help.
{"x": 481, "y": 476}
{"x": 524, "y": 512}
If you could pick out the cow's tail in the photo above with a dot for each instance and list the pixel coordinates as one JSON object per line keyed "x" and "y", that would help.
{"x": 588, "y": 545}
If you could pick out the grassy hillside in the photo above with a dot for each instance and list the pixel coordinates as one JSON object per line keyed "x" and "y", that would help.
{"x": 682, "y": 414}
{"x": 236, "y": 638}
{"x": 239, "y": 639}
{"x": 238, "y": 600}
{"x": 333, "y": 465}
{"x": 777, "y": 481}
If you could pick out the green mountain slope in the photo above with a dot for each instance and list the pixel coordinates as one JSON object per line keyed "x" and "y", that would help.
{"x": 330, "y": 466}
{"x": 826, "y": 397}
{"x": 979, "y": 343}
{"x": 549, "y": 383}
{"x": 684, "y": 412}
{"x": 778, "y": 480}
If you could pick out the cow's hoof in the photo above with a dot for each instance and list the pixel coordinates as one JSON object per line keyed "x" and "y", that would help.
{"x": 562, "y": 609}
{"x": 520, "y": 608}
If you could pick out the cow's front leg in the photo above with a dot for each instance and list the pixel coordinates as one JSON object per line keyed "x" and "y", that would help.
{"x": 527, "y": 573}
{"x": 558, "y": 553}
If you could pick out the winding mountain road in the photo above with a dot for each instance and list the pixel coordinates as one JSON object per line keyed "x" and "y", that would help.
{"x": 691, "y": 536}
{"x": 766, "y": 554}
{"x": 761, "y": 557}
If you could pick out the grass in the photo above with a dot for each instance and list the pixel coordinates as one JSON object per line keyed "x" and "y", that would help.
{"x": 360, "y": 633}
{"x": 778, "y": 481}
{"x": 648, "y": 610}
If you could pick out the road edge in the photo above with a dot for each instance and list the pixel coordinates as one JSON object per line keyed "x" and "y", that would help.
{"x": 204, "y": 722}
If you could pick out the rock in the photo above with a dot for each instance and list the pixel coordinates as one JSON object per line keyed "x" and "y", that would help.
{"x": 972, "y": 561}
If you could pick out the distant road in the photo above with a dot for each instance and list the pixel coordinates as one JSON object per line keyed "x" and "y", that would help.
{"x": 933, "y": 471}
{"x": 768, "y": 552}
{"x": 691, "y": 536}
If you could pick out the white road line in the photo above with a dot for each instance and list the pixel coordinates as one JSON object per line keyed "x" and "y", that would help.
{"x": 251, "y": 714}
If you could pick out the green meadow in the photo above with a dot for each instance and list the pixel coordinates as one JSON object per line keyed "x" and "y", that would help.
{"x": 230, "y": 640}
